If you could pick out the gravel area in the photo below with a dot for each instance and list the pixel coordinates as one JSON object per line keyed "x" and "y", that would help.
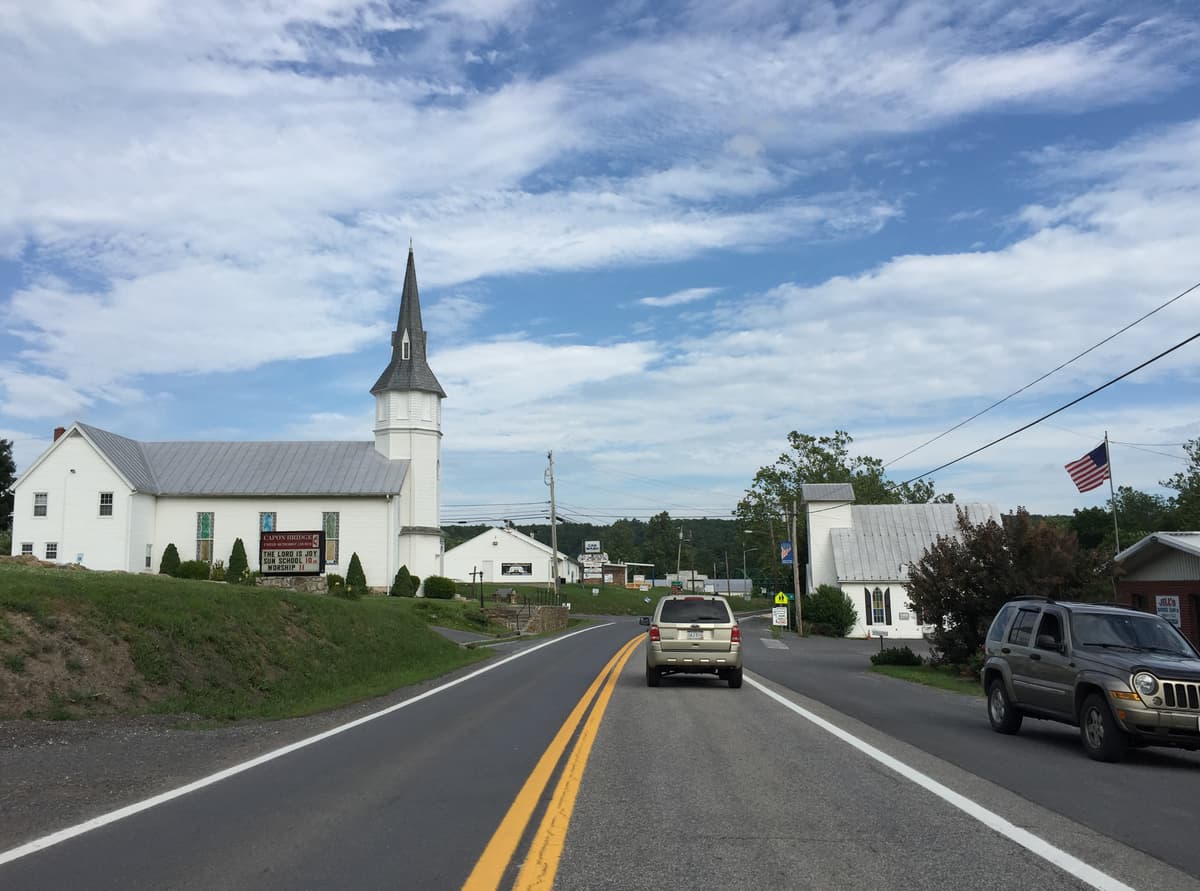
{"x": 55, "y": 774}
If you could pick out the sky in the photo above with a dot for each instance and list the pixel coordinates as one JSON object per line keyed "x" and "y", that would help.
{"x": 651, "y": 237}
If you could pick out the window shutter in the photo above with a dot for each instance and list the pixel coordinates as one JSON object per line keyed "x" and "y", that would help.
{"x": 887, "y": 604}
{"x": 867, "y": 599}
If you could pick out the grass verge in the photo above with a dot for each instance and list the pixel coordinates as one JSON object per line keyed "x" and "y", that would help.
{"x": 931, "y": 676}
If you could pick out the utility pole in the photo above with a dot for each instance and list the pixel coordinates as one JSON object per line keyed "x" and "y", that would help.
{"x": 796, "y": 573}
{"x": 553, "y": 528}
{"x": 728, "y": 584}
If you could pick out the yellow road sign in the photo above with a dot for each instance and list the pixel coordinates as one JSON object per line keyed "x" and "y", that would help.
{"x": 781, "y": 599}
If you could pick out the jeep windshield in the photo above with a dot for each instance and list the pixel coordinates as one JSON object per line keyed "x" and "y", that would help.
{"x": 1148, "y": 633}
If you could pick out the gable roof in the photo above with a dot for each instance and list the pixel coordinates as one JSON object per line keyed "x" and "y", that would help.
{"x": 519, "y": 536}
{"x": 250, "y": 468}
{"x": 826, "y": 492}
{"x": 883, "y": 536}
{"x": 1155, "y": 543}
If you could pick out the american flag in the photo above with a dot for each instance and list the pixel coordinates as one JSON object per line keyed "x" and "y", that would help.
{"x": 1091, "y": 470}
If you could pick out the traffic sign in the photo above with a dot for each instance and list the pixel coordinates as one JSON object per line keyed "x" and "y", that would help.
{"x": 781, "y": 599}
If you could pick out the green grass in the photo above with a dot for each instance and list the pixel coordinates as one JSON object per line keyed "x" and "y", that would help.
{"x": 612, "y": 600}
{"x": 931, "y": 676}
{"x": 226, "y": 652}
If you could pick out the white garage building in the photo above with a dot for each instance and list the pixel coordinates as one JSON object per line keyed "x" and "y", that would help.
{"x": 111, "y": 502}
{"x": 504, "y": 554}
{"x": 866, "y": 549}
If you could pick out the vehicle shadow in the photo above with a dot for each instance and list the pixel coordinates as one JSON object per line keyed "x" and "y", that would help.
{"x": 1065, "y": 738}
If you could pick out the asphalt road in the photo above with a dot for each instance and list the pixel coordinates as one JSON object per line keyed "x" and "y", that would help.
{"x": 689, "y": 785}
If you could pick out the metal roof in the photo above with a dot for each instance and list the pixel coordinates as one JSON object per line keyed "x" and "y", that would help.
{"x": 883, "y": 536}
{"x": 826, "y": 492}
{"x": 251, "y": 468}
{"x": 1188, "y": 542}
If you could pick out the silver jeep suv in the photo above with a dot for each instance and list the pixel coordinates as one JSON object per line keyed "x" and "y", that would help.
{"x": 690, "y": 633}
{"x": 1122, "y": 676}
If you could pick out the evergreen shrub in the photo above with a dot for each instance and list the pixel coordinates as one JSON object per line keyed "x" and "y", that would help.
{"x": 830, "y": 611}
{"x": 356, "y": 579}
{"x": 170, "y": 561}
{"x": 896, "y": 656}
{"x": 239, "y": 566}
{"x": 403, "y": 585}
{"x": 194, "y": 569}
{"x": 439, "y": 587}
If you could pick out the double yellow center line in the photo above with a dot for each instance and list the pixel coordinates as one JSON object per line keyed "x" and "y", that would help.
{"x": 547, "y": 846}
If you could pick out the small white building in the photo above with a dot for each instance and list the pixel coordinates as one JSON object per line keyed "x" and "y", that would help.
{"x": 505, "y": 554}
{"x": 115, "y": 503}
{"x": 866, "y": 549}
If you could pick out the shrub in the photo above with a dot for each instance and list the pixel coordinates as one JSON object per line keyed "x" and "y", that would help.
{"x": 356, "y": 579}
{"x": 239, "y": 566}
{"x": 895, "y": 656}
{"x": 170, "y": 561}
{"x": 193, "y": 569}
{"x": 830, "y": 611}
{"x": 333, "y": 580}
{"x": 416, "y": 584}
{"x": 5, "y": 543}
{"x": 217, "y": 573}
{"x": 403, "y": 585}
{"x": 439, "y": 587}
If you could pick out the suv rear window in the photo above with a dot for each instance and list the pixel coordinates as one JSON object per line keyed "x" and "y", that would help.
{"x": 1023, "y": 627}
{"x": 996, "y": 632}
{"x": 694, "y": 611}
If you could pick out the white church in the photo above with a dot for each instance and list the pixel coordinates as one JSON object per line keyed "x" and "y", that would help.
{"x": 113, "y": 503}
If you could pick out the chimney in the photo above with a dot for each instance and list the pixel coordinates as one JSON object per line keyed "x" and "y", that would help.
{"x": 59, "y": 431}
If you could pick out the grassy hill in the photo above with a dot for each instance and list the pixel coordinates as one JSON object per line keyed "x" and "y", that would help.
{"x": 75, "y": 643}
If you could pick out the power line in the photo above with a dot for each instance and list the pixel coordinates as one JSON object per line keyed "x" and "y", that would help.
{"x": 1075, "y": 401}
{"x": 1044, "y": 376}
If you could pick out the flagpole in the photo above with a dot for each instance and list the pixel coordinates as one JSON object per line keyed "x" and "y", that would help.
{"x": 1111, "y": 491}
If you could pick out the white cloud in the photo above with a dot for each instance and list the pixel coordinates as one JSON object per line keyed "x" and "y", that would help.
{"x": 691, "y": 295}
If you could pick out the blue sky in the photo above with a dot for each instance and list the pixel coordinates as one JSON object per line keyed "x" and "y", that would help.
{"x": 653, "y": 237}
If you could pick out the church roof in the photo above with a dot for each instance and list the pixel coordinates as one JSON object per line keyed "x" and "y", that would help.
{"x": 411, "y": 372}
{"x": 250, "y": 468}
{"x": 883, "y": 536}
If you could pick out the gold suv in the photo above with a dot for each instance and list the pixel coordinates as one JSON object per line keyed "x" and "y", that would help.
{"x": 695, "y": 634}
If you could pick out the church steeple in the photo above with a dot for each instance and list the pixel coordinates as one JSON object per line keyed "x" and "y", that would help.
{"x": 409, "y": 368}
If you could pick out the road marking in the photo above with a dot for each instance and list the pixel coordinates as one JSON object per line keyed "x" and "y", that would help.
{"x": 546, "y": 849}
{"x": 63, "y": 835}
{"x": 1037, "y": 845}
{"x": 772, "y": 644}
{"x": 493, "y": 863}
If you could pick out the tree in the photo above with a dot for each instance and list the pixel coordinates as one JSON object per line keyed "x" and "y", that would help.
{"x": 8, "y": 476}
{"x": 960, "y": 583}
{"x": 356, "y": 579}
{"x": 170, "y": 561}
{"x": 824, "y": 459}
{"x": 1185, "y": 506}
{"x": 239, "y": 567}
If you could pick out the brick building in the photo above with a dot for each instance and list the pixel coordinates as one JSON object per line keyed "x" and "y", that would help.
{"x": 1162, "y": 575}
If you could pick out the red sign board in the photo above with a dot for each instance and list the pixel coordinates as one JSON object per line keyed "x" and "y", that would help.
{"x": 291, "y": 553}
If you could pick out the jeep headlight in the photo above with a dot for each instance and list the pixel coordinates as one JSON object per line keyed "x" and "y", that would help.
{"x": 1145, "y": 683}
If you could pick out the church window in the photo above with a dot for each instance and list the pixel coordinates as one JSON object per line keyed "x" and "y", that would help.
{"x": 40, "y": 502}
{"x": 878, "y": 611}
{"x": 149, "y": 555}
{"x": 405, "y": 349}
{"x": 330, "y": 522}
{"x": 26, "y": 549}
{"x": 51, "y": 550}
{"x": 106, "y": 504}
{"x": 266, "y": 521}
{"x": 204, "y": 536}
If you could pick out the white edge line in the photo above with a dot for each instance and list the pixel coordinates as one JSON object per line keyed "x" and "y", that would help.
{"x": 70, "y": 832}
{"x": 1037, "y": 845}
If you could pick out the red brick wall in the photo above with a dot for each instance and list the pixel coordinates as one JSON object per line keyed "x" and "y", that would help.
{"x": 1141, "y": 595}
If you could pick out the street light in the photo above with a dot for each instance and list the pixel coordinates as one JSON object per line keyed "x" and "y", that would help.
{"x": 745, "y": 551}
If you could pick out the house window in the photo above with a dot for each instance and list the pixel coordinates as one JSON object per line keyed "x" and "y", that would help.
{"x": 204, "y": 536}
{"x": 330, "y": 523}
{"x": 51, "y": 550}
{"x": 266, "y": 521}
{"x": 106, "y": 504}
{"x": 149, "y": 555}
{"x": 878, "y": 613}
{"x": 404, "y": 350}
{"x": 26, "y": 549}
{"x": 40, "y": 502}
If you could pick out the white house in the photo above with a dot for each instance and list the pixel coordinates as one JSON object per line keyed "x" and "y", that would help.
{"x": 110, "y": 502}
{"x": 505, "y": 554}
{"x": 866, "y": 549}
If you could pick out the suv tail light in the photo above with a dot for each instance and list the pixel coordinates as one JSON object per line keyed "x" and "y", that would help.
{"x": 735, "y": 634}
{"x": 654, "y": 635}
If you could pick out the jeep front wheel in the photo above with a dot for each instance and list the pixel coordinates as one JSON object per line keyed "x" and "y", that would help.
{"x": 1005, "y": 717}
{"x": 1102, "y": 738}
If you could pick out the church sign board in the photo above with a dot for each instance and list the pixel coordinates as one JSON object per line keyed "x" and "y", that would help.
{"x": 291, "y": 553}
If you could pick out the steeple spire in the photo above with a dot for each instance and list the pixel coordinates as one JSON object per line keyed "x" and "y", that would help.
{"x": 409, "y": 368}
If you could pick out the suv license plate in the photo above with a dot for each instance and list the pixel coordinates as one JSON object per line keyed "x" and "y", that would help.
{"x": 695, "y": 635}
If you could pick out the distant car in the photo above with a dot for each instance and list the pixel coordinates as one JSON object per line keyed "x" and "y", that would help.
{"x": 1122, "y": 676}
{"x": 693, "y": 634}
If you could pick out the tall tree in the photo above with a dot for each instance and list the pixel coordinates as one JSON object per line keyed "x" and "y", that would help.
{"x": 8, "y": 476}
{"x": 1186, "y": 483}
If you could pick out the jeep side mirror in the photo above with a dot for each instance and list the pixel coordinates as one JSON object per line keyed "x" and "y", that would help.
{"x": 644, "y": 620}
{"x": 1049, "y": 642}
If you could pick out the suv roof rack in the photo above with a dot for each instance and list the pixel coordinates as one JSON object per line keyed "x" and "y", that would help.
{"x": 1042, "y": 597}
